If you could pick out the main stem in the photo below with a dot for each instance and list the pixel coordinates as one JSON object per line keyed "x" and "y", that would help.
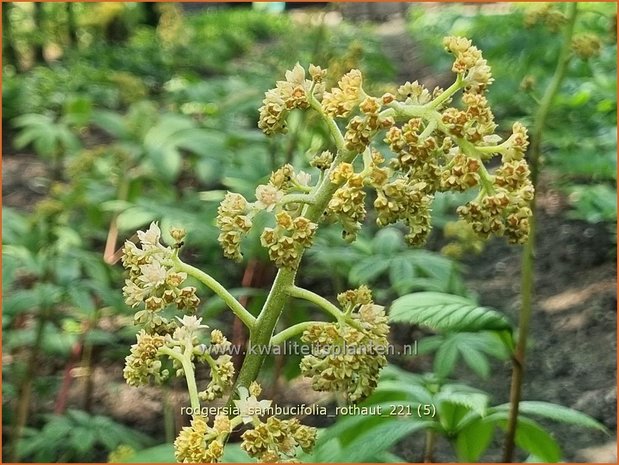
{"x": 528, "y": 253}
{"x": 262, "y": 330}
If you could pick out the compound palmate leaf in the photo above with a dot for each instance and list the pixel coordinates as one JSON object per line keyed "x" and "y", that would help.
{"x": 445, "y": 312}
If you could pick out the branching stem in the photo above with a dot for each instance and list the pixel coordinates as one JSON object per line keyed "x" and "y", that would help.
{"x": 185, "y": 361}
{"x": 247, "y": 318}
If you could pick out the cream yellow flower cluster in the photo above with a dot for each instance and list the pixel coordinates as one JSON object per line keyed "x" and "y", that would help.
{"x": 347, "y": 356}
{"x": 153, "y": 283}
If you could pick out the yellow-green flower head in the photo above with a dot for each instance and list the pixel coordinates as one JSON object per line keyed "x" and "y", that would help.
{"x": 276, "y": 440}
{"x": 469, "y": 63}
{"x": 199, "y": 443}
{"x": 342, "y": 100}
{"x": 233, "y": 223}
{"x": 586, "y": 45}
{"x": 348, "y": 359}
{"x": 143, "y": 363}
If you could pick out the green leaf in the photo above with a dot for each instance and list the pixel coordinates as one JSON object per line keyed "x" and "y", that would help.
{"x": 557, "y": 413}
{"x": 401, "y": 274}
{"x": 430, "y": 344}
{"x": 475, "y": 401}
{"x": 477, "y": 362}
{"x": 387, "y": 242}
{"x": 445, "y": 312}
{"x": 21, "y": 300}
{"x": 111, "y": 122}
{"x": 415, "y": 393}
{"x": 82, "y": 440}
{"x": 531, "y": 437}
{"x": 473, "y": 440}
{"x": 82, "y": 299}
{"x": 367, "y": 269}
{"x": 450, "y": 415}
{"x": 133, "y": 218}
{"x": 378, "y": 439}
{"x": 167, "y": 161}
{"x": 446, "y": 358}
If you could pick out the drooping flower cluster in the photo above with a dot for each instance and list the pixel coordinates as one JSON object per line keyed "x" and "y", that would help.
{"x": 348, "y": 202}
{"x": 504, "y": 211}
{"x": 154, "y": 278}
{"x": 153, "y": 282}
{"x": 271, "y": 440}
{"x": 292, "y": 233}
{"x": 348, "y": 356}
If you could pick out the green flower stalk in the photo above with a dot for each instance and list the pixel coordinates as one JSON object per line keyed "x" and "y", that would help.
{"x": 434, "y": 147}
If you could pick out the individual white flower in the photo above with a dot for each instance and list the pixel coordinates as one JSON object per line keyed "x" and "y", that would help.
{"x": 296, "y": 75}
{"x": 153, "y": 275}
{"x": 303, "y": 178}
{"x": 192, "y": 323}
{"x": 267, "y": 196}
{"x": 249, "y": 406}
{"x": 151, "y": 236}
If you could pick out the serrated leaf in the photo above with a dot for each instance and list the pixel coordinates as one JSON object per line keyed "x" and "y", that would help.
{"x": 530, "y": 436}
{"x": 446, "y": 358}
{"x": 430, "y": 344}
{"x": 401, "y": 274}
{"x": 475, "y": 401}
{"x": 19, "y": 301}
{"x": 476, "y": 362}
{"x": 367, "y": 269}
{"x": 82, "y": 299}
{"x": 415, "y": 393}
{"x": 82, "y": 439}
{"x": 445, "y": 312}
{"x": 167, "y": 160}
{"x": 557, "y": 413}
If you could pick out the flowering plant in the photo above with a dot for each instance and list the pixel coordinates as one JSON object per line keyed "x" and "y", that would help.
{"x": 435, "y": 147}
